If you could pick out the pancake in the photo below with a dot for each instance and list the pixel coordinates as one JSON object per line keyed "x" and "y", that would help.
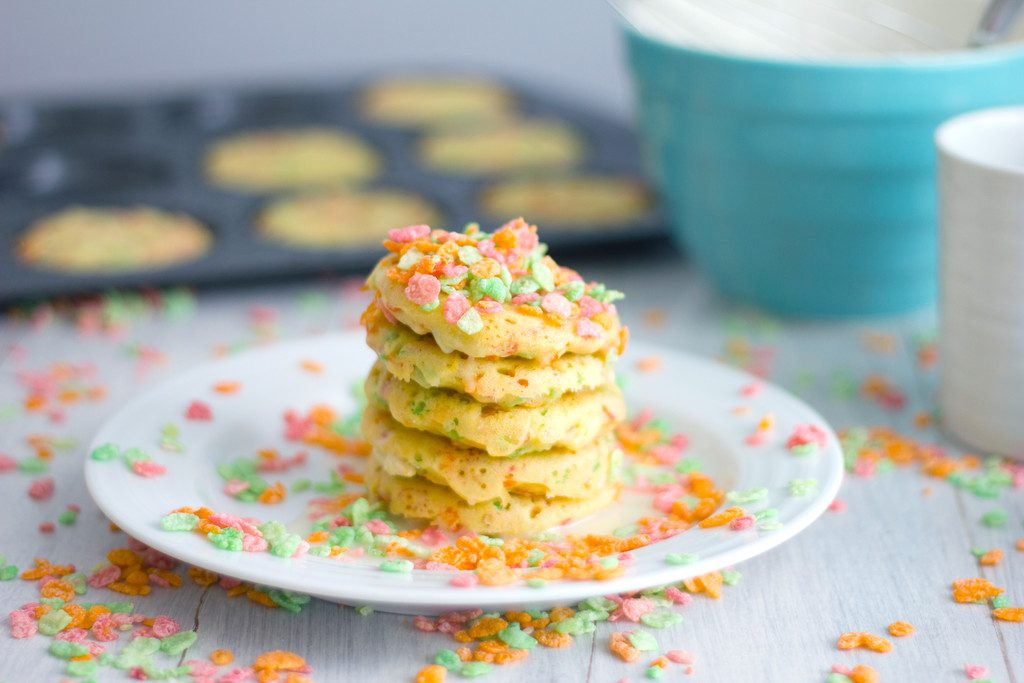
{"x": 572, "y": 422}
{"x": 418, "y": 498}
{"x": 289, "y": 159}
{"x": 513, "y": 146}
{"x": 414, "y": 101}
{"x": 505, "y": 381}
{"x": 104, "y": 240}
{"x": 581, "y": 201}
{"x": 477, "y": 477}
{"x": 341, "y": 218}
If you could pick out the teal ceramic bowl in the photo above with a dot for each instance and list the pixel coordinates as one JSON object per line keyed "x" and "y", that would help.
{"x": 808, "y": 189}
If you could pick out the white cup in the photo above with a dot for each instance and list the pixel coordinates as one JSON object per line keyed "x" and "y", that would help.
{"x": 981, "y": 219}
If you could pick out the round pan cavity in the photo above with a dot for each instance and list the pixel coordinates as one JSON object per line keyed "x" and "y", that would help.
{"x": 45, "y": 171}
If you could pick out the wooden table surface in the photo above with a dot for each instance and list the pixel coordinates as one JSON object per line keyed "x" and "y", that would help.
{"x": 890, "y": 555}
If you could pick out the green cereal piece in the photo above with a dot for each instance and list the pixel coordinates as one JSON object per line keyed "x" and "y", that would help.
{"x": 179, "y": 521}
{"x": 121, "y": 608}
{"x": 8, "y": 572}
{"x": 82, "y": 668}
{"x": 748, "y": 496}
{"x": 654, "y": 672}
{"x": 803, "y": 449}
{"x": 610, "y": 562}
{"x": 978, "y": 552}
{"x": 52, "y": 603}
{"x": 995, "y": 519}
{"x": 302, "y": 485}
{"x": 771, "y": 525}
{"x": 107, "y": 451}
{"x": 574, "y": 626}
{"x": 543, "y": 275}
{"x": 591, "y": 615}
{"x": 66, "y": 650}
{"x": 1000, "y": 601}
{"x": 227, "y": 539}
{"x": 643, "y": 641}
{"x": 800, "y": 488}
{"x": 731, "y": 577}
{"x": 599, "y": 604}
{"x": 359, "y": 512}
{"x": 178, "y": 643}
{"x": 319, "y": 551}
{"x": 286, "y": 546}
{"x": 661, "y": 618}
{"x": 536, "y": 583}
{"x": 431, "y": 306}
{"x": 33, "y": 465}
{"x": 448, "y": 659}
{"x": 343, "y": 536}
{"x": 679, "y": 559}
{"x": 396, "y": 566}
{"x": 133, "y": 455}
{"x": 625, "y": 531}
{"x": 523, "y": 285}
{"x": 470, "y": 322}
{"x": 67, "y": 518}
{"x": 498, "y": 542}
{"x": 535, "y": 557}
{"x": 409, "y": 259}
{"x": 493, "y": 287}
{"x": 53, "y": 622}
{"x": 573, "y": 291}
{"x": 837, "y": 678}
{"x": 293, "y": 602}
{"x": 687, "y": 465}
{"x": 166, "y": 674}
{"x": 469, "y": 255}
{"x": 766, "y": 514}
{"x": 514, "y": 637}
{"x": 475, "y": 669}
{"x": 364, "y": 610}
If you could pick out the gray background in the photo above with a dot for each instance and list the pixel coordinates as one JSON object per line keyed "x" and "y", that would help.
{"x": 101, "y": 47}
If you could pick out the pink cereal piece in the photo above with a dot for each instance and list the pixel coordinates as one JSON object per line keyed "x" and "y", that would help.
{"x": 242, "y": 675}
{"x": 588, "y": 329}
{"x": 7, "y": 463}
{"x": 23, "y": 625}
{"x": 136, "y": 673}
{"x": 164, "y": 626}
{"x": 752, "y": 389}
{"x": 301, "y": 550}
{"x": 665, "y": 499}
{"x": 422, "y": 289}
{"x": 148, "y": 468}
{"x": 837, "y": 505}
{"x": 453, "y": 270}
{"x": 975, "y": 671}
{"x": 489, "y": 306}
{"x": 202, "y": 668}
{"x": 487, "y": 248}
{"x": 41, "y": 488}
{"x": 589, "y": 306}
{"x": 378, "y": 527}
{"x": 422, "y": 623}
{"x": 677, "y": 596}
{"x": 666, "y": 454}
{"x": 105, "y": 576}
{"x": 840, "y": 669}
{"x": 464, "y": 580}
{"x": 47, "y": 527}
{"x": 519, "y": 299}
{"x": 253, "y": 544}
{"x": 104, "y": 629}
{"x": 627, "y": 559}
{"x": 227, "y": 582}
{"x": 742, "y": 523}
{"x": 72, "y": 635}
{"x": 634, "y": 608}
{"x": 233, "y": 487}
{"x": 806, "y": 434}
{"x": 681, "y": 657}
{"x": 432, "y": 536}
{"x": 454, "y": 307}
{"x": 410, "y": 233}
{"x": 160, "y": 581}
{"x": 864, "y": 467}
{"x": 556, "y": 304}
{"x": 199, "y": 411}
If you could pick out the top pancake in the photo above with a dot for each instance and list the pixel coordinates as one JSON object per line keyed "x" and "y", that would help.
{"x": 492, "y": 295}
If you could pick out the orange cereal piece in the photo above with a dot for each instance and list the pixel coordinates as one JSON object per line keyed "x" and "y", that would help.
{"x": 260, "y": 598}
{"x": 227, "y": 387}
{"x": 521, "y": 618}
{"x": 487, "y": 627}
{"x": 901, "y": 629}
{"x": 1009, "y": 613}
{"x": 136, "y": 577}
{"x": 648, "y": 363}
{"x": 167, "y": 575}
{"x": 560, "y": 614}
{"x": 722, "y": 518}
{"x": 435, "y": 673}
{"x": 45, "y": 568}
{"x": 77, "y": 613}
{"x": 272, "y": 495}
{"x": 991, "y": 558}
{"x": 462, "y": 636}
{"x": 279, "y": 660}
{"x": 974, "y": 590}
{"x": 312, "y": 366}
{"x": 1020, "y": 545}
{"x": 222, "y": 657}
{"x": 709, "y": 584}
{"x": 494, "y": 572}
{"x": 553, "y": 639}
{"x": 620, "y": 646}
{"x": 202, "y": 577}
{"x": 122, "y": 557}
{"x": 868, "y": 641}
{"x": 862, "y": 674}
{"x": 58, "y": 589}
{"x": 849, "y": 640}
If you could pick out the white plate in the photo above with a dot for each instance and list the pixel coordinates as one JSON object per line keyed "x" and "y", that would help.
{"x": 697, "y": 397}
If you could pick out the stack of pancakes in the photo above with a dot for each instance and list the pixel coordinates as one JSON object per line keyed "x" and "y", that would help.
{"x": 494, "y": 411}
